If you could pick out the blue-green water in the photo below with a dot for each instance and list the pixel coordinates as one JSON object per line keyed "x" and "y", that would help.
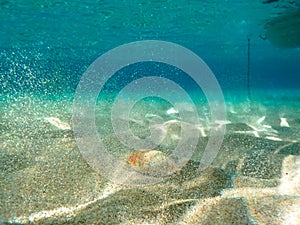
{"x": 46, "y": 47}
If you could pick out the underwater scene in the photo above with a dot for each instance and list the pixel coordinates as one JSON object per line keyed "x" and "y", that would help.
{"x": 150, "y": 112}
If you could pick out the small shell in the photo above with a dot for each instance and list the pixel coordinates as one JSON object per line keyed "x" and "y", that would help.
{"x": 151, "y": 162}
{"x": 147, "y": 158}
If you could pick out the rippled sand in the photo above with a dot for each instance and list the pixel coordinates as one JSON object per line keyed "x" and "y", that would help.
{"x": 255, "y": 178}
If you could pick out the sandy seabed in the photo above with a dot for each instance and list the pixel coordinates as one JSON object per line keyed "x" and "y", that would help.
{"x": 255, "y": 178}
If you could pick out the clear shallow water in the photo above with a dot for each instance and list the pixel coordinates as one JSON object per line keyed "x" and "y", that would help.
{"x": 45, "y": 48}
{"x": 44, "y": 178}
{"x": 40, "y": 38}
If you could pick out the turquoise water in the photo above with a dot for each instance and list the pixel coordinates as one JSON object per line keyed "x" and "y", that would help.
{"x": 47, "y": 46}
